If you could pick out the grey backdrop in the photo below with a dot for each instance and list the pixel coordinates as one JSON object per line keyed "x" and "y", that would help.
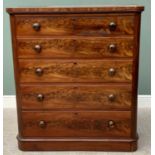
{"x": 145, "y": 48}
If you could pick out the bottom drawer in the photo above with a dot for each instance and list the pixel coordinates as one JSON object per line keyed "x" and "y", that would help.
{"x": 76, "y": 124}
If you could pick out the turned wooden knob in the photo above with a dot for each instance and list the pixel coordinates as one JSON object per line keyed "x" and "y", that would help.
{"x": 111, "y": 124}
{"x": 42, "y": 124}
{"x": 36, "y": 26}
{"x": 112, "y": 26}
{"x": 112, "y": 48}
{"x": 37, "y": 48}
{"x": 111, "y": 97}
{"x": 112, "y": 72}
{"x": 39, "y": 71}
{"x": 40, "y": 97}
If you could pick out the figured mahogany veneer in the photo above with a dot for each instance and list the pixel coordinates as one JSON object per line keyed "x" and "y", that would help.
{"x": 76, "y": 124}
{"x": 75, "y": 70}
{"x": 90, "y": 47}
{"x": 78, "y": 97}
{"x": 82, "y": 25}
{"x": 76, "y": 74}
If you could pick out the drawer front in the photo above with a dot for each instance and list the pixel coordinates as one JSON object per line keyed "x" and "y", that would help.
{"x": 75, "y": 47}
{"x": 75, "y": 25}
{"x": 76, "y": 124}
{"x": 77, "y": 97}
{"x": 75, "y": 70}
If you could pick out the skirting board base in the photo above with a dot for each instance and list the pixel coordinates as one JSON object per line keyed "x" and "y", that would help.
{"x": 77, "y": 144}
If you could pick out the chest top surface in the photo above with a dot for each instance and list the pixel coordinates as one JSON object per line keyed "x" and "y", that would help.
{"x": 104, "y": 9}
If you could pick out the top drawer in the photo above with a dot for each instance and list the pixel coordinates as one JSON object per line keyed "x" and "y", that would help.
{"x": 80, "y": 25}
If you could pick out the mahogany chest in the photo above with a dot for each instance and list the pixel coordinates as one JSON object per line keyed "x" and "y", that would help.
{"x": 76, "y": 74}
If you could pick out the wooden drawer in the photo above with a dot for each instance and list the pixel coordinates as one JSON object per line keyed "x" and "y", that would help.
{"x": 74, "y": 47}
{"x": 76, "y": 124}
{"x": 75, "y": 70}
{"x": 77, "y": 97}
{"x": 84, "y": 24}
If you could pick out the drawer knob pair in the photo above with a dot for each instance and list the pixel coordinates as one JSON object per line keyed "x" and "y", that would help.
{"x": 112, "y": 48}
{"x": 39, "y": 71}
{"x": 112, "y": 26}
{"x": 40, "y": 97}
{"x": 42, "y": 124}
{"x": 36, "y": 26}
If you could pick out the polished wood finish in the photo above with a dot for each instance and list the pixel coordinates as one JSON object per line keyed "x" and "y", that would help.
{"x": 52, "y": 10}
{"x": 76, "y": 124}
{"x": 84, "y": 25}
{"x": 82, "y": 144}
{"x": 77, "y": 97}
{"x": 76, "y": 47}
{"x": 75, "y": 70}
{"x": 76, "y": 74}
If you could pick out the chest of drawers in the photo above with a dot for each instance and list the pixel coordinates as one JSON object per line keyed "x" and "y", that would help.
{"x": 76, "y": 74}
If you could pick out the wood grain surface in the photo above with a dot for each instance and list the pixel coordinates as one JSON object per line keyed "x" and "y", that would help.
{"x": 83, "y": 25}
{"x": 76, "y": 97}
{"x": 75, "y": 47}
{"x": 76, "y": 74}
{"x": 76, "y": 124}
{"x": 75, "y": 70}
{"x": 59, "y": 10}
